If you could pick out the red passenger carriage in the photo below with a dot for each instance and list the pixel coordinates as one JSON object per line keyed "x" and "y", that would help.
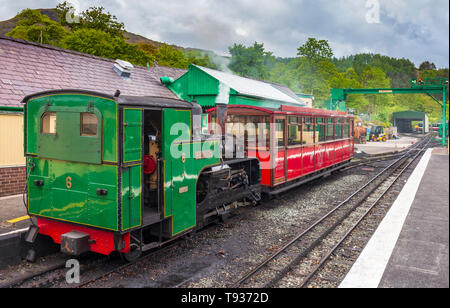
{"x": 300, "y": 144}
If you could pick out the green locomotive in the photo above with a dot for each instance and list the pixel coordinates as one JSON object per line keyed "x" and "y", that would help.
{"x": 118, "y": 173}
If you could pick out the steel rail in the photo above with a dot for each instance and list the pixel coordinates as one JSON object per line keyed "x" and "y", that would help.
{"x": 264, "y": 263}
{"x": 355, "y": 225}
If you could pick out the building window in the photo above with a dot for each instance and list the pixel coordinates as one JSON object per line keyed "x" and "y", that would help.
{"x": 48, "y": 123}
{"x": 89, "y": 125}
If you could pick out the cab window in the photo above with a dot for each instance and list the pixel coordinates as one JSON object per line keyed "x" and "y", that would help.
{"x": 89, "y": 125}
{"x": 48, "y": 123}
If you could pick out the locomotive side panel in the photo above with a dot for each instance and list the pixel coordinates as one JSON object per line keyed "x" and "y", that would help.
{"x": 184, "y": 159}
{"x": 66, "y": 146}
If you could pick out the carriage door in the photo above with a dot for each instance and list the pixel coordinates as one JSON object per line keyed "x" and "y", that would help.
{"x": 132, "y": 168}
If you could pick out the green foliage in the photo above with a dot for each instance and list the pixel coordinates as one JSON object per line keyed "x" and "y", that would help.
{"x": 92, "y": 18}
{"x": 36, "y": 27}
{"x": 315, "y": 50}
{"x": 315, "y": 71}
{"x": 427, "y": 65}
{"x": 250, "y": 61}
{"x": 102, "y": 44}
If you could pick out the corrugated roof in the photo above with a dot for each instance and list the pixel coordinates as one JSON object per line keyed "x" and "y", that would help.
{"x": 252, "y": 87}
{"x": 27, "y": 68}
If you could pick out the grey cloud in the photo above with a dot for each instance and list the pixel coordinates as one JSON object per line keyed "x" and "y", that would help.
{"x": 416, "y": 29}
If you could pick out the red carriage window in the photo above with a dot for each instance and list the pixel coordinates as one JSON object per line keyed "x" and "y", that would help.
{"x": 279, "y": 131}
{"x": 346, "y": 131}
{"x": 320, "y": 130}
{"x": 338, "y": 129}
{"x": 330, "y": 129}
{"x": 294, "y": 131}
{"x": 308, "y": 133}
{"x": 264, "y": 132}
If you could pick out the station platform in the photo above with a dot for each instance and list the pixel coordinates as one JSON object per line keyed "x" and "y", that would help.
{"x": 410, "y": 248}
{"x": 13, "y": 215}
{"x": 390, "y": 146}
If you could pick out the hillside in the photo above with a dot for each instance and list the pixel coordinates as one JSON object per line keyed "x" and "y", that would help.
{"x": 132, "y": 38}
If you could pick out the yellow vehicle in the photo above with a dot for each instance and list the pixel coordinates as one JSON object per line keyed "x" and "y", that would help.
{"x": 377, "y": 134}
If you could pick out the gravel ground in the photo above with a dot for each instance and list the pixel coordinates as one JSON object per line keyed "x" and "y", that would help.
{"x": 221, "y": 254}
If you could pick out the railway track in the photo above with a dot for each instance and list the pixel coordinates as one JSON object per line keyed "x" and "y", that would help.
{"x": 313, "y": 247}
{"x": 100, "y": 268}
{"x": 94, "y": 267}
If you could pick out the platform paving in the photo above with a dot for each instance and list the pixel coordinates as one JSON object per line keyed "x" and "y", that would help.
{"x": 419, "y": 254}
{"x": 12, "y": 214}
{"x": 375, "y": 148}
{"x": 420, "y": 258}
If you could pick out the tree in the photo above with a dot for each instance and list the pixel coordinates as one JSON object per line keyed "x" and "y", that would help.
{"x": 97, "y": 18}
{"x": 102, "y": 44}
{"x": 92, "y": 18}
{"x": 250, "y": 61}
{"x": 315, "y": 50}
{"x": 66, "y": 14}
{"x": 427, "y": 66}
{"x": 36, "y": 27}
{"x": 374, "y": 77}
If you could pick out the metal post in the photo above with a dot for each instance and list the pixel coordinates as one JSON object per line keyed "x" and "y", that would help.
{"x": 444, "y": 117}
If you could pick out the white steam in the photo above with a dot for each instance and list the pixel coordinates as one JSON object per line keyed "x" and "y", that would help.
{"x": 224, "y": 94}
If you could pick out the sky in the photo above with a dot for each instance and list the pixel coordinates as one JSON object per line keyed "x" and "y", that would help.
{"x": 414, "y": 29}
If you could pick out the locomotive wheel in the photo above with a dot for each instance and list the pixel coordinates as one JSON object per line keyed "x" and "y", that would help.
{"x": 134, "y": 254}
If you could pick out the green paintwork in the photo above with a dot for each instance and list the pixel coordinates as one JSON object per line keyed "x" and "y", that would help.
{"x": 70, "y": 165}
{"x": 65, "y": 144}
{"x": 79, "y": 203}
{"x": 131, "y": 197}
{"x": 181, "y": 171}
{"x": 11, "y": 109}
{"x": 73, "y": 104}
{"x": 132, "y": 135}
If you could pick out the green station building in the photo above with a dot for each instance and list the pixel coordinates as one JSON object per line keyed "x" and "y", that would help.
{"x": 209, "y": 87}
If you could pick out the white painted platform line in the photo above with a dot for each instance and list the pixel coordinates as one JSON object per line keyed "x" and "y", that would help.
{"x": 371, "y": 264}
{"x": 13, "y": 232}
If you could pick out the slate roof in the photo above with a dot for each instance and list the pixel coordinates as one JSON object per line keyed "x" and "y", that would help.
{"x": 254, "y": 87}
{"x": 27, "y": 68}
